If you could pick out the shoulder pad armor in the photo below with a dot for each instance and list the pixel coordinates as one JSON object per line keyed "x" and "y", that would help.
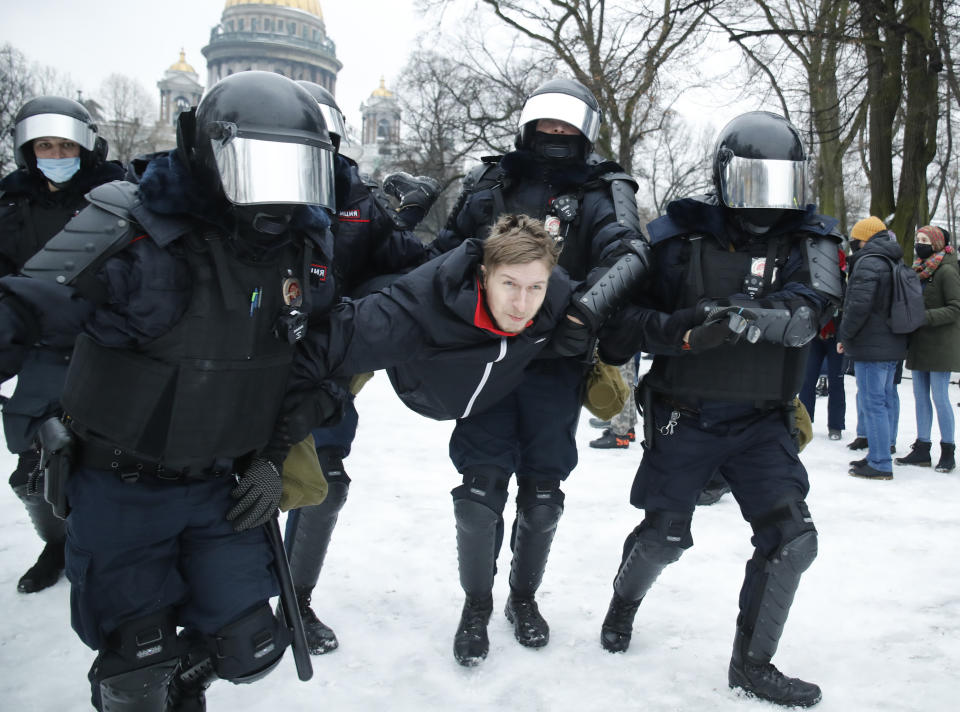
{"x": 823, "y": 261}
{"x": 489, "y": 173}
{"x": 622, "y": 189}
{"x": 117, "y": 197}
{"x": 84, "y": 243}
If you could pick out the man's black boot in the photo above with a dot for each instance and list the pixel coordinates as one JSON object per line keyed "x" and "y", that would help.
{"x": 44, "y": 573}
{"x": 858, "y": 443}
{"x": 919, "y": 455}
{"x": 529, "y": 627}
{"x": 947, "y": 463}
{"x": 617, "y": 627}
{"x": 187, "y": 690}
{"x": 51, "y": 530}
{"x": 320, "y": 637}
{"x": 470, "y": 643}
{"x": 763, "y": 680}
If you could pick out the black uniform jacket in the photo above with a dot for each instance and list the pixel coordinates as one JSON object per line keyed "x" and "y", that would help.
{"x": 431, "y": 330}
{"x": 30, "y": 213}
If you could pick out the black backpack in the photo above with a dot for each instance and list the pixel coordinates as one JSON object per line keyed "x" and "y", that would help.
{"x": 907, "y": 313}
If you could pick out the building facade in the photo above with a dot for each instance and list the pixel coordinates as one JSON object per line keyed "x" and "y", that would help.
{"x": 283, "y": 36}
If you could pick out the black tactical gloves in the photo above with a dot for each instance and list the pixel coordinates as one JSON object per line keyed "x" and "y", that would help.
{"x": 258, "y": 490}
{"x": 571, "y": 338}
{"x": 415, "y": 193}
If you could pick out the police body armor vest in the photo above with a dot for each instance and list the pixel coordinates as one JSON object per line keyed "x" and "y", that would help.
{"x": 764, "y": 373}
{"x": 208, "y": 390}
{"x": 30, "y": 225}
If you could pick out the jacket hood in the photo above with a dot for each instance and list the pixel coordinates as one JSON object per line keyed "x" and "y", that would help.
{"x": 879, "y": 245}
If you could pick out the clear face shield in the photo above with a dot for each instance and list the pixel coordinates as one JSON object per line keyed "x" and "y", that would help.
{"x": 334, "y": 121}
{"x": 563, "y": 107}
{"x": 762, "y": 183}
{"x": 56, "y": 125}
{"x": 256, "y": 171}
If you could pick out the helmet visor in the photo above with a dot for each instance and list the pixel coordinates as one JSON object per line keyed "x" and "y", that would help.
{"x": 255, "y": 172}
{"x": 562, "y": 107}
{"x": 764, "y": 183}
{"x": 57, "y": 125}
{"x": 334, "y": 121}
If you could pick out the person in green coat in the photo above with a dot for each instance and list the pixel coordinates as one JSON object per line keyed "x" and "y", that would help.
{"x": 934, "y": 349}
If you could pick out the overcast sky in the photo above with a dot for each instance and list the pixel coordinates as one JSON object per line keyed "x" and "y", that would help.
{"x": 91, "y": 40}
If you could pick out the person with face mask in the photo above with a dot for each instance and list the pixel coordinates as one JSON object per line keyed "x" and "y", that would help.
{"x": 874, "y": 348}
{"x": 187, "y": 296}
{"x": 742, "y": 281}
{"x": 934, "y": 349}
{"x": 587, "y": 204}
{"x": 60, "y": 157}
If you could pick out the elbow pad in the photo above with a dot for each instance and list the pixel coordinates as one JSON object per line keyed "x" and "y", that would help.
{"x": 614, "y": 286}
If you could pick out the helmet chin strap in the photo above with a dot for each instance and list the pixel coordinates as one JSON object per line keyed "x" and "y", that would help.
{"x": 267, "y": 223}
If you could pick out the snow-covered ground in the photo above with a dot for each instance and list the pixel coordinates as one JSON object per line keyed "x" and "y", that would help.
{"x": 876, "y": 622}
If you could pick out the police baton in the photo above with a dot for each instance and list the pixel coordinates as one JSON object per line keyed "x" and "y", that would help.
{"x": 288, "y": 600}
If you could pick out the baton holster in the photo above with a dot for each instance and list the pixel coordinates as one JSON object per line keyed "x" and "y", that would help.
{"x": 57, "y": 446}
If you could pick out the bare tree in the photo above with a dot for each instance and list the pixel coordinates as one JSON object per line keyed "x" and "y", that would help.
{"x": 675, "y": 163}
{"x": 129, "y": 112}
{"x": 16, "y": 87}
{"x": 805, "y": 50}
{"x": 618, "y": 50}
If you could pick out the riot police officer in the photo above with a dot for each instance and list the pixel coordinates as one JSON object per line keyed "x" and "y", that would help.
{"x": 60, "y": 157}
{"x": 588, "y": 205}
{"x": 192, "y": 290}
{"x": 371, "y": 238}
{"x": 743, "y": 279}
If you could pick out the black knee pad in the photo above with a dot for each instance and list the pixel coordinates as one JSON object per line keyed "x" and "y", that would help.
{"x": 332, "y": 464}
{"x": 532, "y": 492}
{"x": 250, "y": 647}
{"x": 670, "y": 530}
{"x": 485, "y": 485}
{"x": 136, "y": 664}
{"x": 788, "y": 527}
{"x": 338, "y": 487}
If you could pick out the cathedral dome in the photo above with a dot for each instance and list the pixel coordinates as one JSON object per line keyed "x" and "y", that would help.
{"x": 311, "y": 6}
{"x": 181, "y": 65}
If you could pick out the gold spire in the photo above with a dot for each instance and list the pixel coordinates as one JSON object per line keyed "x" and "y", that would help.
{"x": 311, "y": 6}
{"x": 181, "y": 64}
{"x": 382, "y": 89}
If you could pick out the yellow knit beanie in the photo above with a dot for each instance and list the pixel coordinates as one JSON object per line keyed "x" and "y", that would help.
{"x": 867, "y": 228}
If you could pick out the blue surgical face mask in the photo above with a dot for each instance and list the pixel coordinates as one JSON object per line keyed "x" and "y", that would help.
{"x": 58, "y": 170}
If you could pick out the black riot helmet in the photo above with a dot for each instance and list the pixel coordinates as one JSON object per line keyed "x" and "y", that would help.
{"x": 59, "y": 117}
{"x": 760, "y": 169}
{"x": 259, "y": 139}
{"x": 331, "y": 112}
{"x": 565, "y": 100}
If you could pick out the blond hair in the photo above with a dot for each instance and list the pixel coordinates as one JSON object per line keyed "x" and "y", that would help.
{"x": 519, "y": 239}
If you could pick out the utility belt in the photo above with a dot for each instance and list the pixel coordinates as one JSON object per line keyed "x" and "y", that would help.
{"x": 99, "y": 455}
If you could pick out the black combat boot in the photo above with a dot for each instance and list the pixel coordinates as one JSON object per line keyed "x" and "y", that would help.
{"x": 470, "y": 642}
{"x": 533, "y": 534}
{"x": 763, "y": 680}
{"x": 617, "y": 627}
{"x": 320, "y": 637}
{"x": 44, "y": 573}
{"x": 947, "y": 462}
{"x": 858, "y": 443}
{"x": 529, "y": 627}
{"x": 52, "y": 530}
{"x": 919, "y": 455}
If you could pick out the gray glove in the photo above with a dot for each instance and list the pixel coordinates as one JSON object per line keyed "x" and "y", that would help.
{"x": 258, "y": 488}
